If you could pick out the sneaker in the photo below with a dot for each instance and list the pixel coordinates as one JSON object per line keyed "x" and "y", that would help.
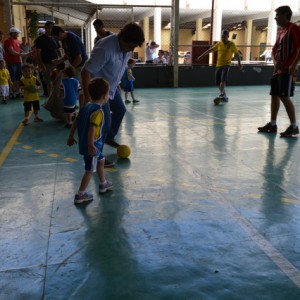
{"x": 108, "y": 164}
{"x": 83, "y": 198}
{"x": 104, "y": 187}
{"x": 127, "y": 101}
{"x": 268, "y": 128}
{"x": 112, "y": 143}
{"x": 38, "y": 119}
{"x": 136, "y": 101}
{"x": 25, "y": 121}
{"x": 224, "y": 99}
{"x": 290, "y": 131}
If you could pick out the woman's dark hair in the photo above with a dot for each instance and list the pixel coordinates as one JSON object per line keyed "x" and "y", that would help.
{"x": 98, "y": 88}
{"x": 132, "y": 33}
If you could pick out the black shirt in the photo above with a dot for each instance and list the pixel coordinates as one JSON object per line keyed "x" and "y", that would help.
{"x": 49, "y": 48}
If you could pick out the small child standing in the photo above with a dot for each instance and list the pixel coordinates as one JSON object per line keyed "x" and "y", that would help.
{"x": 90, "y": 125}
{"x": 70, "y": 88}
{"x": 5, "y": 82}
{"x": 30, "y": 86}
{"x": 128, "y": 80}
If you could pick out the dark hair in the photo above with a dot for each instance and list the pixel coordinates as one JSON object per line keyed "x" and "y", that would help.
{"x": 132, "y": 33}
{"x": 70, "y": 71}
{"x": 56, "y": 30}
{"x": 98, "y": 87}
{"x": 130, "y": 61}
{"x": 49, "y": 23}
{"x": 285, "y": 10}
{"x": 98, "y": 22}
{"x": 27, "y": 66}
{"x": 225, "y": 32}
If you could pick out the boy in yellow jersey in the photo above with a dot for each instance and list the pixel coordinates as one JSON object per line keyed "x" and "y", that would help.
{"x": 5, "y": 82}
{"x": 225, "y": 49}
{"x": 30, "y": 86}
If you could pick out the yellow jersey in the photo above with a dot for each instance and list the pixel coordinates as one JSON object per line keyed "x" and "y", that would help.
{"x": 225, "y": 52}
{"x": 4, "y": 76}
{"x": 29, "y": 88}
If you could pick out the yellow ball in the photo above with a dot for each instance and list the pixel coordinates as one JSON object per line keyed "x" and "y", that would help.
{"x": 123, "y": 151}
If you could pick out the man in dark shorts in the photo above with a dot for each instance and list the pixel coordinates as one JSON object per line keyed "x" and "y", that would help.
{"x": 286, "y": 54}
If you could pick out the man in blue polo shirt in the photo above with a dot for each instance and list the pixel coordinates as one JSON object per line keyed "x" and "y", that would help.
{"x": 74, "y": 52}
{"x": 108, "y": 60}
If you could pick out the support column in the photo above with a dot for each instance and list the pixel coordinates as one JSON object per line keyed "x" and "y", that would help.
{"x": 146, "y": 29}
{"x": 248, "y": 39}
{"x": 175, "y": 41}
{"x": 272, "y": 28}
{"x": 157, "y": 25}
{"x": 199, "y": 24}
{"x": 217, "y": 21}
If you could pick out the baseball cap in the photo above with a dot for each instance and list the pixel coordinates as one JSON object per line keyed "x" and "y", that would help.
{"x": 14, "y": 30}
{"x": 41, "y": 31}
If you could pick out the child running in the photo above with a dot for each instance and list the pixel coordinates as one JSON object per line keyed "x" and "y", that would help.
{"x": 90, "y": 125}
{"x": 128, "y": 80}
{"x": 30, "y": 86}
{"x": 5, "y": 82}
{"x": 70, "y": 87}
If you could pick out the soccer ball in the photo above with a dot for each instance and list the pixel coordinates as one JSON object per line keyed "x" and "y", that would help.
{"x": 123, "y": 151}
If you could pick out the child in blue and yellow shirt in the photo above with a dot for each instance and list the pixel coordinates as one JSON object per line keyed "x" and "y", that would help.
{"x": 128, "y": 80}
{"x": 30, "y": 86}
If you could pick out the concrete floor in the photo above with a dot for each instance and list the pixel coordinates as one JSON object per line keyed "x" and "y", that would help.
{"x": 206, "y": 208}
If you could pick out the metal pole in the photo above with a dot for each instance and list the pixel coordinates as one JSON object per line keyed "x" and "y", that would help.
{"x": 212, "y": 22}
{"x": 175, "y": 40}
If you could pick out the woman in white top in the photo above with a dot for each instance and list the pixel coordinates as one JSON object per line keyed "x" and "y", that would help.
{"x": 150, "y": 49}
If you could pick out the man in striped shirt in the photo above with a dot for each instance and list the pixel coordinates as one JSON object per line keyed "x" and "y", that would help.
{"x": 286, "y": 54}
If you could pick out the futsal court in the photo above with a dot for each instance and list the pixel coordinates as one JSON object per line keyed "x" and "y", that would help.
{"x": 205, "y": 208}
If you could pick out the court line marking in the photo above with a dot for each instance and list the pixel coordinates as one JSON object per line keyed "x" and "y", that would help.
{"x": 11, "y": 143}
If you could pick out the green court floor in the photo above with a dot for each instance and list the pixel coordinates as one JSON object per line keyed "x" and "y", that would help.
{"x": 205, "y": 208}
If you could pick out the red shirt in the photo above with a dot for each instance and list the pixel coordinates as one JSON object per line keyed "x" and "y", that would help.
{"x": 15, "y": 44}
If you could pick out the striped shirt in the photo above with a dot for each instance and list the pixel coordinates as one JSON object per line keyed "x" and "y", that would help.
{"x": 286, "y": 47}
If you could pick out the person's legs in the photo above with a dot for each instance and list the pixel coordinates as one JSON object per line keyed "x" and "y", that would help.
{"x": 100, "y": 170}
{"x": 271, "y": 127}
{"x": 290, "y": 109}
{"x": 107, "y": 120}
{"x": 118, "y": 110}
{"x": 224, "y": 79}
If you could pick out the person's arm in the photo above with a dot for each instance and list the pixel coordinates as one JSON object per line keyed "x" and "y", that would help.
{"x": 85, "y": 79}
{"x": 71, "y": 140}
{"x": 40, "y": 63}
{"x": 238, "y": 57}
{"x": 76, "y": 61}
{"x": 11, "y": 51}
{"x": 205, "y": 53}
{"x": 60, "y": 60}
